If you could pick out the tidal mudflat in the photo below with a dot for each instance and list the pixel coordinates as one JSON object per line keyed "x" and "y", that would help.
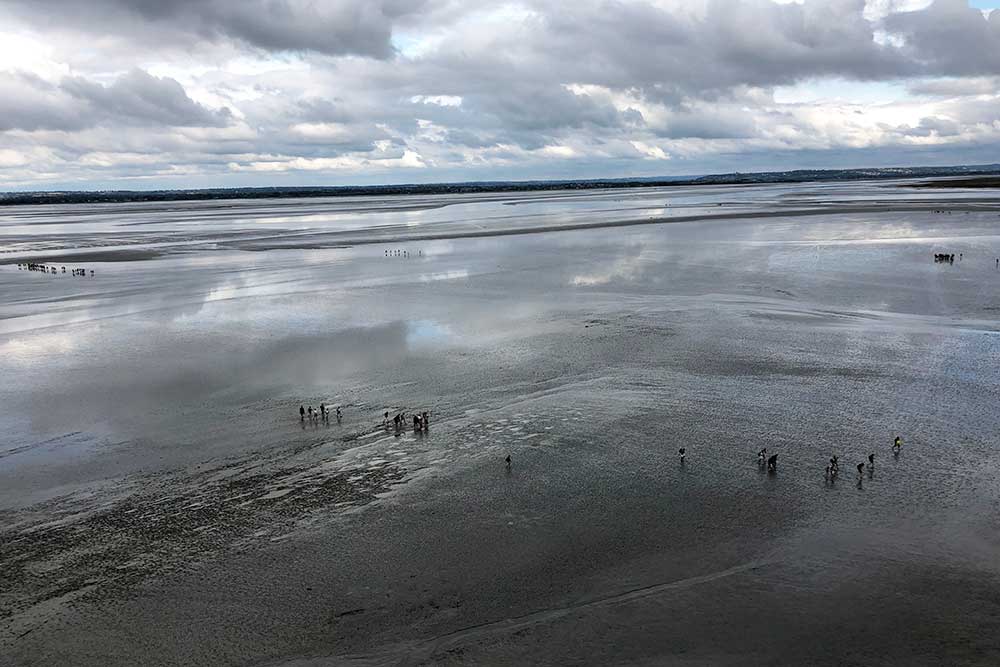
{"x": 162, "y": 503}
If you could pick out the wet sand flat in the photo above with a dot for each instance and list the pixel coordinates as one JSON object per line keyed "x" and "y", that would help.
{"x": 162, "y": 503}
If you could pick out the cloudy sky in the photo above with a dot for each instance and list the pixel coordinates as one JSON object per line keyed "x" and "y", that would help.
{"x": 204, "y": 93}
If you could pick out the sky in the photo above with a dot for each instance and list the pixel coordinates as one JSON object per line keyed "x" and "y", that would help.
{"x": 140, "y": 94}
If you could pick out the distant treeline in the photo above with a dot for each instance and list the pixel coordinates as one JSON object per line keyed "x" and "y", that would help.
{"x": 796, "y": 176}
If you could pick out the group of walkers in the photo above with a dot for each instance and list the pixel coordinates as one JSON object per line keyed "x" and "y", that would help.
{"x": 45, "y": 268}
{"x": 832, "y": 470}
{"x": 771, "y": 461}
{"x": 421, "y": 421}
{"x": 315, "y": 416}
{"x": 949, "y": 258}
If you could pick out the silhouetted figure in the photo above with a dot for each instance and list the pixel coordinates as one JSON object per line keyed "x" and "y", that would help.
{"x": 762, "y": 456}
{"x": 322, "y": 411}
{"x": 423, "y": 420}
{"x": 339, "y": 414}
{"x": 681, "y": 452}
{"x": 416, "y": 422}
{"x": 302, "y": 412}
{"x": 507, "y": 460}
{"x": 871, "y": 459}
{"x": 861, "y": 469}
{"x": 310, "y": 413}
{"x": 897, "y": 444}
{"x": 772, "y": 463}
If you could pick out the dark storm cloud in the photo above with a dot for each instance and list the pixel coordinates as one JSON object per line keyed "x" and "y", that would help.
{"x": 949, "y": 38}
{"x": 335, "y": 27}
{"x": 29, "y": 103}
{"x": 142, "y": 97}
{"x": 735, "y": 42}
{"x": 136, "y": 98}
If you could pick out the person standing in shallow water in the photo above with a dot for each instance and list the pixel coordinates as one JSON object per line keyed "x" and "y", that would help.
{"x": 302, "y": 413}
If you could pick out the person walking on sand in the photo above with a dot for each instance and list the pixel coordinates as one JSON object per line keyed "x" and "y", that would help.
{"x": 772, "y": 463}
{"x": 322, "y": 411}
{"x": 507, "y": 460}
{"x": 861, "y": 470}
{"x": 681, "y": 452}
{"x": 302, "y": 413}
{"x": 871, "y": 460}
{"x": 897, "y": 444}
{"x": 339, "y": 415}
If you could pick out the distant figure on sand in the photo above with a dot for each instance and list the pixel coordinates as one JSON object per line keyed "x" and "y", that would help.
{"x": 681, "y": 452}
{"x": 302, "y": 413}
{"x": 772, "y": 463}
{"x": 762, "y": 456}
{"x": 871, "y": 460}
{"x": 322, "y": 411}
{"x": 508, "y": 461}
{"x": 897, "y": 444}
{"x": 339, "y": 415}
{"x": 861, "y": 469}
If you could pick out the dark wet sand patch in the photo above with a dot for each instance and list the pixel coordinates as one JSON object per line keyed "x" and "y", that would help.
{"x": 130, "y": 255}
{"x": 101, "y": 548}
{"x": 368, "y": 238}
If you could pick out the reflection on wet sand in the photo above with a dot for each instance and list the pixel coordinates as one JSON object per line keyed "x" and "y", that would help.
{"x": 612, "y": 444}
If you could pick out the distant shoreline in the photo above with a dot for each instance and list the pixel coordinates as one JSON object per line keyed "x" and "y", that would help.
{"x": 991, "y": 171}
